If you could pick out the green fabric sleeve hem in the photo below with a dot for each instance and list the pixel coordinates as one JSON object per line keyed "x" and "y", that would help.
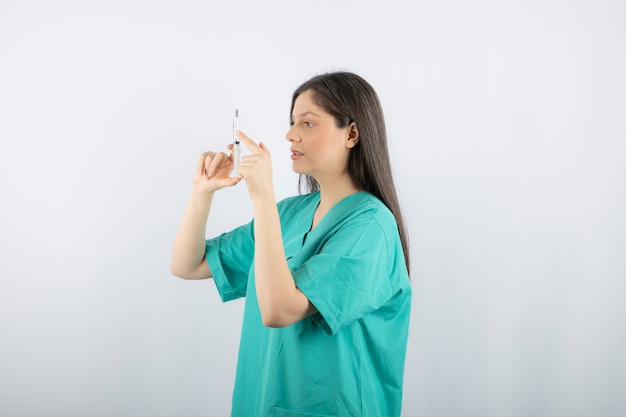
{"x": 225, "y": 290}
{"x": 322, "y": 310}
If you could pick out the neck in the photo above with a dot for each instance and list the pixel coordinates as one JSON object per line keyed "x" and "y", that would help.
{"x": 334, "y": 190}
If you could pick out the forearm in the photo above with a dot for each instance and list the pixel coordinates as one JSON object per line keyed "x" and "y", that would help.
{"x": 280, "y": 301}
{"x": 190, "y": 242}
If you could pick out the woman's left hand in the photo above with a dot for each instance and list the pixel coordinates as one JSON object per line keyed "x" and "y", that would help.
{"x": 256, "y": 169}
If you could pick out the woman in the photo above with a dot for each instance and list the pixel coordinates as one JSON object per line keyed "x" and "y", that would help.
{"x": 325, "y": 274}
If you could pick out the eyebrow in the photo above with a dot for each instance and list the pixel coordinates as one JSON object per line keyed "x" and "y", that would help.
{"x": 307, "y": 113}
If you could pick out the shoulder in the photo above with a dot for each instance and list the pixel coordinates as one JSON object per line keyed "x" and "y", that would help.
{"x": 371, "y": 215}
{"x": 367, "y": 207}
{"x": 383, "y": 234}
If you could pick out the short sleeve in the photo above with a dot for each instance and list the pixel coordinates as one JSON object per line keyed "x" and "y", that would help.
{"x": 230, "y": 257}
{"x": 351, "y": 276}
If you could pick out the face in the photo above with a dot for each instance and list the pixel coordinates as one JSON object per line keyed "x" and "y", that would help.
{"x": 318, "y": 147}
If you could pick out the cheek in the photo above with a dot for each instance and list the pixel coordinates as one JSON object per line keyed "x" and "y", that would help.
{"x": 335, "y": 153}
{"x": 326, "y": 149}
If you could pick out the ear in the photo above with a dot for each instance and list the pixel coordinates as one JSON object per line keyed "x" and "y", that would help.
{"x": 353, "y": 135}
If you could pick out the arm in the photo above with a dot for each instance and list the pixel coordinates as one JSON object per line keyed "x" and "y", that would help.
{"x": 188, "y": 259}
{"x": 280, "y": 301}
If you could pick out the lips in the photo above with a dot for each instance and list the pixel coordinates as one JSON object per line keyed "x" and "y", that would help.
{"x": 295, "y": 154}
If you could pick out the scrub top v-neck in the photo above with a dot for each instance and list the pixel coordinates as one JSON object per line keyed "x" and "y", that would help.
{"x": 348, "y": 358}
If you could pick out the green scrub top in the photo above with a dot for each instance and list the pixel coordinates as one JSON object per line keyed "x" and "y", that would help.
{"x": 348, "y": 358}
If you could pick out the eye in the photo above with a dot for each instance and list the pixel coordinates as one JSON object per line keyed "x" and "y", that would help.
{"x": 308, "y": 124}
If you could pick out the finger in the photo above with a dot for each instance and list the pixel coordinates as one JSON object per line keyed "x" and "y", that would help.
{"x": 250, "y": 144}
{"x": 262, "y": 146}
{"x": 248, "y": 161}
{"x": 231, "y": 148}
{"x": 208, "y": 159}
{"x": 246, "y": 164}
{"x": 228, "y": 181}
{"x": 217, "y": 160}
{"x": 201, "y": 169}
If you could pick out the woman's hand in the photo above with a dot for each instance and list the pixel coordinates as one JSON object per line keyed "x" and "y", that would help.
{"x": 256, "y": 169}
{"x": 213, "y": 172}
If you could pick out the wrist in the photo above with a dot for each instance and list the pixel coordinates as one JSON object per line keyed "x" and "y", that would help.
{"x": 201, "y": 199}
{"x": 264, "y": 200}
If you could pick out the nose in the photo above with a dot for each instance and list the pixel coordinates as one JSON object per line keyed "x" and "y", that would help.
{"x": 291, "y": 135}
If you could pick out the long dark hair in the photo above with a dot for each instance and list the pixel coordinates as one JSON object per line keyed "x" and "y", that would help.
{"x": 349, "y": 98}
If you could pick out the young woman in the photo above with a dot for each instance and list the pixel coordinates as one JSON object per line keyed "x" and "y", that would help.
{"x": 325, "y": 274}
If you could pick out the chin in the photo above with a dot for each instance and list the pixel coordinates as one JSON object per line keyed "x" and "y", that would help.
{"x": 297, "y": 170}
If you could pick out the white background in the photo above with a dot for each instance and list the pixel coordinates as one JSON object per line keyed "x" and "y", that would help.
{"x": 507, "y": 135}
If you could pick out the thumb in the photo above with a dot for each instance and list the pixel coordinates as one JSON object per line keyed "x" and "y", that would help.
{"x": 227, "y": 182}
{"x": 262, "y": 146}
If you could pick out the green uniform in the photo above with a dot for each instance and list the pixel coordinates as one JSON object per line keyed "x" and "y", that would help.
{"x": 346, "y": 360}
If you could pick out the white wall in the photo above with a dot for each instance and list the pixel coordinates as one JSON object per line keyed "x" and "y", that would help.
{"x": 508, "y": 135}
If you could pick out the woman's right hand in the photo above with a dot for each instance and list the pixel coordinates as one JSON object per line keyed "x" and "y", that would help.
{"x": 213, "y": 172}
